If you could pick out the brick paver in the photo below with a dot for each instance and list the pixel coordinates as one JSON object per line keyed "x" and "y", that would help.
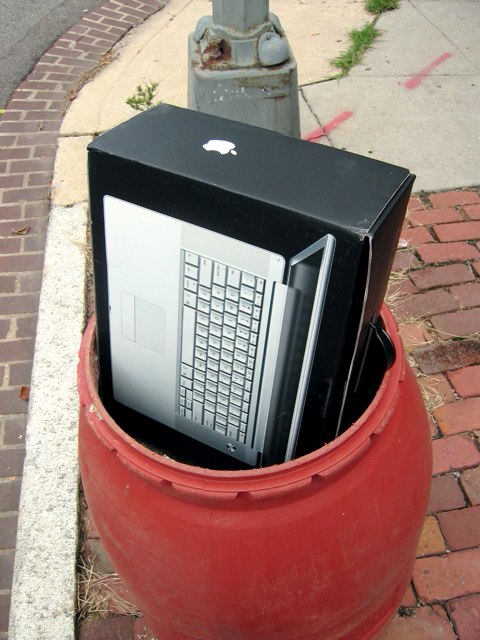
{"x": 28, "y": 141}
{"x": 434, "y": 216}
{"x": 447, "y": 252}
{"x": 472, "y": 211}
{"x": 467, "y": 294}
{"x": 431, "y": 277}
{"x": 422, "y": 305}
{"x": 413, "y": 334}
{"x": 454, "y": 453}
{"x": 465, "y": 614}
{"x": 463, "y": 323}
{"x": 461, "y": 528}
{"x": 445, "y": 494}
{"x": 457, "y": 231}
{"x": 115, "y": 628}
{"x": 453, "y": 198}
{"x": 431, "y": 540}
{"x": 471, "y": 484}
{"x": 447, "y": 355}
{"x": 405, "y": 260}
{"x": 460, "y": 416}
{"x": 426, "y": 623}
{"x": 447, "y": 576}
{"x": 416, "y": 235}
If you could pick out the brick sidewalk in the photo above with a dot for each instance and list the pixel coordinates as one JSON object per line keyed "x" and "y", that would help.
{"x": 435, "y": 296}
{"x": 28, "y": 143}
{"x": 439, "y": 315}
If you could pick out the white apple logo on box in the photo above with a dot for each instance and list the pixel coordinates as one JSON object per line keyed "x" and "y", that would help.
{"x": 222, "y": 146}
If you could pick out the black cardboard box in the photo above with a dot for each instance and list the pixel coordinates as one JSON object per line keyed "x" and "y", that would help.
{"x": 278, "y": 193}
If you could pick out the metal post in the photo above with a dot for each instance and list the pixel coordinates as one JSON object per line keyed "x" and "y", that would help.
{"x": 241, "y": 67}
{"x": 240, "y": 15}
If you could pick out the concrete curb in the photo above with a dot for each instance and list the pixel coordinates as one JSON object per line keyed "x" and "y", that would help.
{"x": 44, "y": 583}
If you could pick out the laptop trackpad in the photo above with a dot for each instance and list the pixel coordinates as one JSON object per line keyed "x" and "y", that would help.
{"x": 143, "y": 322}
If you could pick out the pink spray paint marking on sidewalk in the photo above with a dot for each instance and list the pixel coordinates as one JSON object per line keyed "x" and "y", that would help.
{"x": 418, "y": 78}
{"x": 330, "y": 126}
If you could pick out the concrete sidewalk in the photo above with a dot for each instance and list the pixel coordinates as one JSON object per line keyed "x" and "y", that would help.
{"x": 412, "y": 101}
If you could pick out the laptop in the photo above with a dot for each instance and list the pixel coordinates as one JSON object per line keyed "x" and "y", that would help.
{"x": 209, "y": 335}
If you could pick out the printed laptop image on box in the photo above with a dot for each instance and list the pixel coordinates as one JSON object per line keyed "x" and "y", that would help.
{"x": 201, "y": 350}
{"x": 238, "y": 273}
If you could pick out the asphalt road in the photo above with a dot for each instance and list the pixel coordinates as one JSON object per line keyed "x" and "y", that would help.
{"x": 27, "y": 29}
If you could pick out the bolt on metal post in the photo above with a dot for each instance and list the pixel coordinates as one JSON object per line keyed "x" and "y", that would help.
{"x": 241, "y": 67}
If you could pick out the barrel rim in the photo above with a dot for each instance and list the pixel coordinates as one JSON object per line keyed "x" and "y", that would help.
{"x": 329, "y": 459}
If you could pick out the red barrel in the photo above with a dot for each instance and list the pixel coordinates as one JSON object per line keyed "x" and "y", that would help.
{"x": 319, "y": 548}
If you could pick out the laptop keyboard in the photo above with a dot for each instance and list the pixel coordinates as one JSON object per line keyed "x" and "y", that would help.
{"x": 221, "y": 311}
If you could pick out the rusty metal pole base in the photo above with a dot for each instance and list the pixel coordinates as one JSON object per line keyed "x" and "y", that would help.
{"x": 243, "y": 69}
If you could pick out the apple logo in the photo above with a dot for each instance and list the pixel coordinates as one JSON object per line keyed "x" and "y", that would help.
{"x": 222, "y": 146}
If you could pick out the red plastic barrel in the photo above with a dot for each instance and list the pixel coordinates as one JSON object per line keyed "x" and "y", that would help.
{"x": 319, "y": 548}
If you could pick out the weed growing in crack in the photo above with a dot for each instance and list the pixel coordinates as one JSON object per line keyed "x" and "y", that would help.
{"x": 143, "y": 97}
{"x": 379, "y": 6}
{"x": 361, "y": 39}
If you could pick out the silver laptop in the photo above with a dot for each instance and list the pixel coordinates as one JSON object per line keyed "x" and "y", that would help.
{"x": 209, "y": 335}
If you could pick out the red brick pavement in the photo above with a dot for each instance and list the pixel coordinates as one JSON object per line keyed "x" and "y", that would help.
{"x": 438, "y": 306}
{"x": 440, "y": 327}
{"x": 28, "y": 141}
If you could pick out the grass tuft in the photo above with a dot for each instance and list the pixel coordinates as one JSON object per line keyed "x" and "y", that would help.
{"x": 360, "y": 40}
{"x": 379, "y": 6}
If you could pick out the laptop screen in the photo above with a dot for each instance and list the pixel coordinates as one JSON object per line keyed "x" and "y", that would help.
{"x": 307, "y": 282}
